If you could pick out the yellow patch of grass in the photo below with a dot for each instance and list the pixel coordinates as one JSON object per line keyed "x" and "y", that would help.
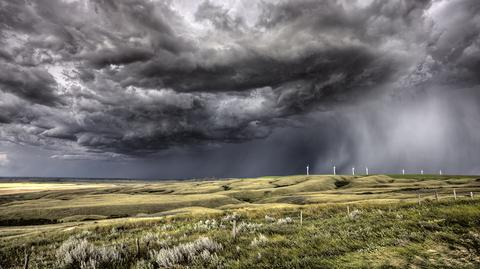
{"x": 24, "y": 187}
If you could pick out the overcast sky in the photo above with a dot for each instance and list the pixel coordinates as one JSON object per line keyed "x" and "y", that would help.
{"x": 184, "y": 89}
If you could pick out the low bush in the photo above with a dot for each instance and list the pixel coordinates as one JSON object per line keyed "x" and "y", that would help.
{"x": 286, "y": 220}
{"x": 259, "y": 241}
{"x": 79, "y": 253}
{"x": 186, "y": 254}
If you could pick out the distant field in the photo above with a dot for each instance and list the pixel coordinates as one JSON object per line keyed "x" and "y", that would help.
{"x": 44, "y": 213}
{"x": 24, "y": 187}
{"x": 55, "y": 201}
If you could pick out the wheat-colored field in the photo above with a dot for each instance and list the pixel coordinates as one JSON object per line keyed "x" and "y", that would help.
{"x": 62, "y": 200}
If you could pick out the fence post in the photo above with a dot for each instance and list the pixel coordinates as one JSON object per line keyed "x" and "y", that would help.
{"x": 28, "y": 252}
{"x": 234, "y": 229}
{"x": 348, "y": 211}
{"x": 137, "y": 243}
{"x": 454, "y": 194}
{"x": 301, "y": 217}
{"x": 471, "y": 195}
{"x": 418, "y": 197}
{"x": 436, "y": 196}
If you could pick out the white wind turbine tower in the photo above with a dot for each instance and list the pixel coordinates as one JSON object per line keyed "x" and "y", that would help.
{"x": 307, "y": 170}
{"x": 334, "y": 171}
{"x": 421, "y": 171}
{"x": 366, "y": 171}
{"x": 353, "y": 171}
{"x": 403, "y": 171}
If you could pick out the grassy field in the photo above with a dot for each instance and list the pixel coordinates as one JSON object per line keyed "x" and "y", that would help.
{"x": 347, "y": 222}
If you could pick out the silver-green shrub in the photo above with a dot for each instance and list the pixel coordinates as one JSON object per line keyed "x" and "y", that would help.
{"x": 79, "y": 253}
{"x": 203, "y": 248}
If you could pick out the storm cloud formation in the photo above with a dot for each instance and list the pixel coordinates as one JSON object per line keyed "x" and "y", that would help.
{"x": 133, "y": 80}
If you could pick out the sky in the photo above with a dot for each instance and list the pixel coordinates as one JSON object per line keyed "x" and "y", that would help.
{"x": 238, "y": 88}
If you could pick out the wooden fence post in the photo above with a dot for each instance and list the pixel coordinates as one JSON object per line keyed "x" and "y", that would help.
{"x": 436, "y": 196}
{"x": 137, "y": 243}
{"x": 348, "y": 211}
{"x": 234, "y": 229}
{"x": 28, "y": 252}
{"x": 454, "y": 194}
{"x": 301, "y": 217}
{"x": 471, "y": 195}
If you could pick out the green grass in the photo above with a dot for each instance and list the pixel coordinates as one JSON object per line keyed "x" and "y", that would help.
{"x": 390, "y": 229}
{"x": 445, "y": 234}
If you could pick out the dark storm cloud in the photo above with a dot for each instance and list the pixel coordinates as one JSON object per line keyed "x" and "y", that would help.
{"x": 256, "y": 70}
{"x": 455, "y": 42}
{"x": 337, "y": 36}
{"x": 31, "y": 83}
{"x": 134, "y": 77}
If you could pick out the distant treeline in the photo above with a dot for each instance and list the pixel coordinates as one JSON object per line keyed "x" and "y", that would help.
{"x": 26, "y": 222}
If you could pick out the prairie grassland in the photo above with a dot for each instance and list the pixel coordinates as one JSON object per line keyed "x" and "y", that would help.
{"x": 24, "y": 187}
{"x": 244, "y": 223}
{"x": 64, "y": 201}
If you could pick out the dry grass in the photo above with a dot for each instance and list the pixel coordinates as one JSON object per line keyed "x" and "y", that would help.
{"x": 72, "y": 201}
{"x": 7, "y": 188}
